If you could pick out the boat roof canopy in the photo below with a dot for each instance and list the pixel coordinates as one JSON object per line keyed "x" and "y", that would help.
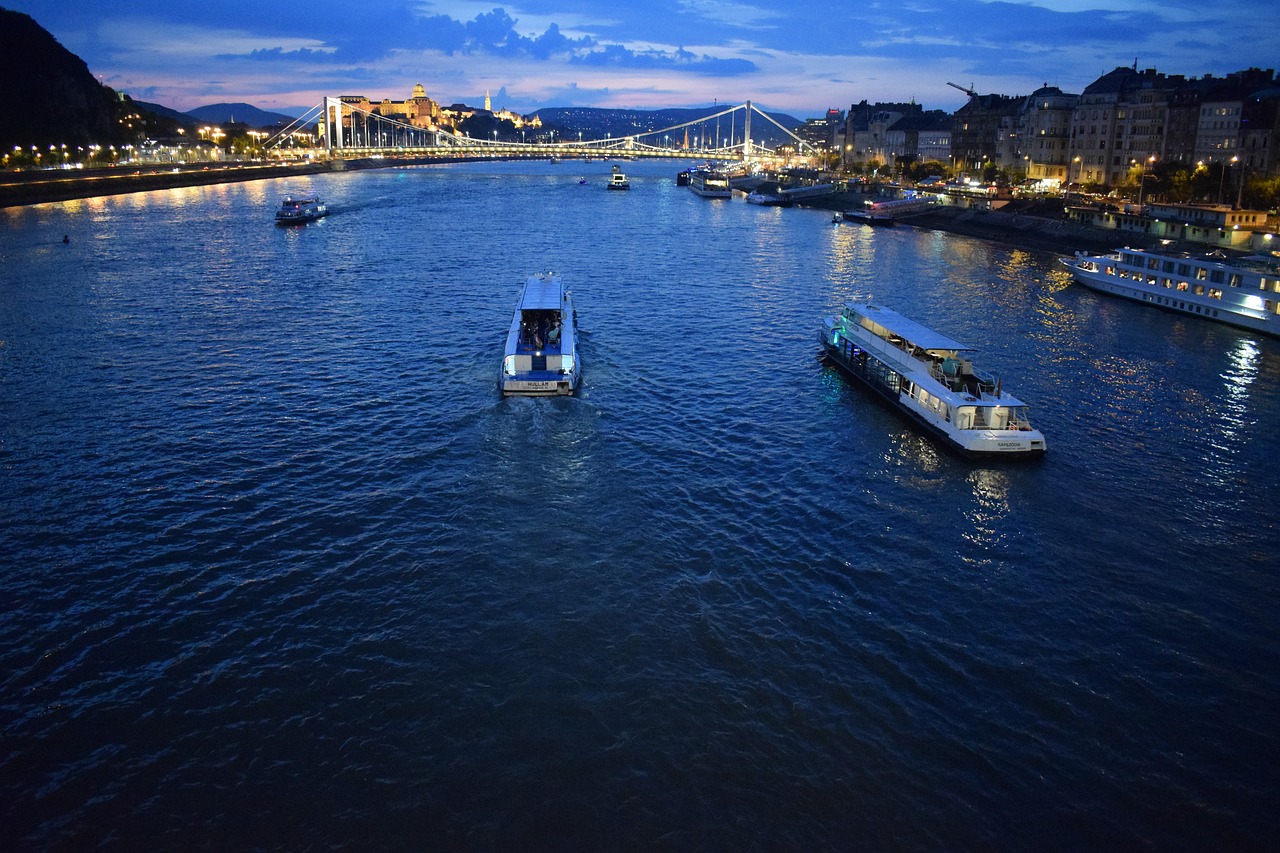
{"x": 907, "y": 329}
{"x": 541, "y": 293}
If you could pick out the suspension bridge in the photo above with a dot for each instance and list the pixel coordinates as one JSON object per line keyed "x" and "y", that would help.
{"x": 340, "y": 130}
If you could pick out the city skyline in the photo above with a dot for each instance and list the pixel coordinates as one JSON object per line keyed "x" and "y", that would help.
{"x": 645, "y": 55}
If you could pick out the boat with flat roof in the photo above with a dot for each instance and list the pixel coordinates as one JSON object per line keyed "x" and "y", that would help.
{"x": 617, "y": 180}
{"x": 299, "y": 211}
{"x": 541, "y": 357}
{"x": 1241, "y": 291}
{"x": 930, "y": 378}
{"x": 710, "y": 183}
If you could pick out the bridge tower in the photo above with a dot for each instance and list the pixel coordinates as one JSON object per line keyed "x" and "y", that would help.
{"x": 332, "y": 123}
{"x": 746, "y": 135}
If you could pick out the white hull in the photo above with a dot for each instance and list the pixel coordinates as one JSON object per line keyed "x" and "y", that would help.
{"x": 930, "y": 378}
{"x": 1243, "y": 293}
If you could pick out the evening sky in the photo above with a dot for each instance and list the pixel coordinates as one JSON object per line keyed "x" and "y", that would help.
{"x": 798, "y": 56}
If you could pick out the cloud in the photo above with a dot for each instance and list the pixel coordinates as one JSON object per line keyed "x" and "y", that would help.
{"x": 617, "y": 56}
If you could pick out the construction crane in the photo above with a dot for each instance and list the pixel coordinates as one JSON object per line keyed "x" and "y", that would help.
{"x": 969, "y": 91}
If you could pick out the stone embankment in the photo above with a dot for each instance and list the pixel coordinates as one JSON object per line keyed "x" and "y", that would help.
{"x": 1036, "y": 225}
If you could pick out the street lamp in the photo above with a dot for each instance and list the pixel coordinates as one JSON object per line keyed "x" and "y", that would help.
{"x": 1142, "y": 181}
{"x": 1223, "y": 176}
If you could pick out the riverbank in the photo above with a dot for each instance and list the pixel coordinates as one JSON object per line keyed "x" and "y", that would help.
{"x": 18, "y": 189}
{"x": 1027, "y": 224}
{"x": 1031, "y": 225}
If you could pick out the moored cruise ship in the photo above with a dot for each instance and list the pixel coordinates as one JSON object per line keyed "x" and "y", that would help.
{"x": 710, "y": 183}
{"x": 931, "y": 378}
{"x": 1243, "y": 291}
{"x": 541, "y": 357}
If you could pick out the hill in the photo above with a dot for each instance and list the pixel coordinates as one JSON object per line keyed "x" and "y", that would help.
{"x": 57, "y": 101}
{"x": 239, "y": 113}
{"x": 52, "y": 96}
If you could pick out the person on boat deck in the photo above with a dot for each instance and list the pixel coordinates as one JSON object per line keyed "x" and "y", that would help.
{"x": 553, "y": 334}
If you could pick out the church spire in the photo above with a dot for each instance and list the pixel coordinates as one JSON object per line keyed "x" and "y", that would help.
{"x": 486, "y": 101}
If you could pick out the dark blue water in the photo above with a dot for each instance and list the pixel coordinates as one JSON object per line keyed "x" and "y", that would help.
{"x": 281, "y": 569}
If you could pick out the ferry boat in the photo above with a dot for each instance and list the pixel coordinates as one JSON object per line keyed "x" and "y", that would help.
{"x": 931, "y": 378}
{"x": 617, "y": 180}
{"x": 541, "y": 358}
{"x": 1243, "y": 292}
{"x": 710, "y": 184}
{"x": 295, "y": 211}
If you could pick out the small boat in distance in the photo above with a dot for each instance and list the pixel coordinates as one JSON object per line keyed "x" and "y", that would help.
{"x": 769, "y": 195}
{"x": 1242, "y": 291}
{"x": 617, "y": 180}
{"x": 297, "y": 211}
{"x": 932, "y": 380}
{"x": 541, "y": 357}
{"x": 867, "y": 216}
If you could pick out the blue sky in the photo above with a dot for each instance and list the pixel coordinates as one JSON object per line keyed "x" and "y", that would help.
{"x": 801, "y": 57}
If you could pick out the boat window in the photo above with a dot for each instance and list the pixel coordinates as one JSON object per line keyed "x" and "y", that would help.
{"x": 1201, "y": 273}
{"x": 1217, "y": 276}
{"x": 1199, "y": 291}
{"x": 1153, "y": 263}
{"x": 1151, "y": 280}
{"x": 1168, "y": 266}
{"x": 1168, "y": 283}
{"x": 1235, "y": 279}
{"x": 1215, "y": 293}
{"x": 1182, "y": 285}
{"x": 1184, "y": 269}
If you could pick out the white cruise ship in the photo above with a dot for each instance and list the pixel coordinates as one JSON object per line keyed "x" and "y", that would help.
{"x": 1243, "y": 291}
{"x": 931, "y": 378}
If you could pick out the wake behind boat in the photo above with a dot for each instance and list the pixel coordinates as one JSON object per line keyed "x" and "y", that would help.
{"x": 1242, "y": 292}
{"x": 541, "y": 357}
{"x": 931, "y": 379}
{"x": 297, "y": 211}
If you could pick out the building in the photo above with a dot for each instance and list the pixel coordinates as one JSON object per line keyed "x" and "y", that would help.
{"x": 1044, "y": 136}
{"x": 984, "y": 132}
{"x": 1128, "y": 120}
{"x": 865, "y": 141}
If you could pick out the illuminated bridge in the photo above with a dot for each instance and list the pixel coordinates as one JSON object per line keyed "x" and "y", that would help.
{"x": 344, "y": 131}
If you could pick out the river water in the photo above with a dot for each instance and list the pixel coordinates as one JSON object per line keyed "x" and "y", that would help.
{"x": 281, "y": 569}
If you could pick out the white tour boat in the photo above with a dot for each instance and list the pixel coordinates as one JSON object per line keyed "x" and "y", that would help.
{"x": 1243, "y": 291}
{"x": 931, "y": 378}
{"x": 296, "y": 211}
{"x": 617, "y": 180}
{"x": 709, "y": 183}
{"x": 541, "y": 358}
